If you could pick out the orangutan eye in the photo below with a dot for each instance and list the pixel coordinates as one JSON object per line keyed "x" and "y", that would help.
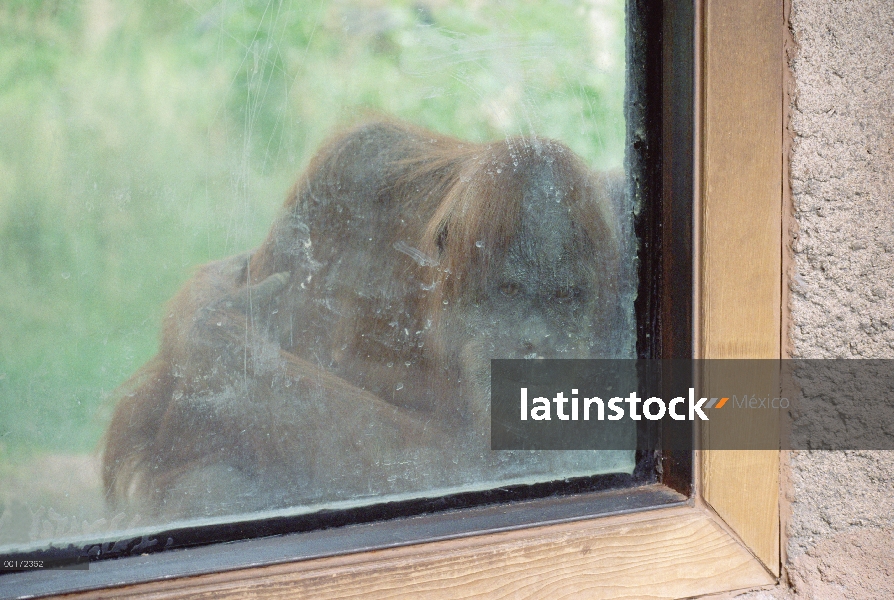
{"x": 510, "y": 289}
{"x": 567, "y": 293}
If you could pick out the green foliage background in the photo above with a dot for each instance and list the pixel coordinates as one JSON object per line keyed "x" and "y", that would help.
{"x": 140, "y": 138}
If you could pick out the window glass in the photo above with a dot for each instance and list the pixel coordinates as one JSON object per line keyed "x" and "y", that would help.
{"x": 257, "y": 256}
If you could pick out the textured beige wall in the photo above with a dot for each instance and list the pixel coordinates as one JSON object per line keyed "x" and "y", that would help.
{"x": 840, "y": 528}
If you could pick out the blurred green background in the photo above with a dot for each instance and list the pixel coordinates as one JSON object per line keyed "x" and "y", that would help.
{"x": 140, "y": 138}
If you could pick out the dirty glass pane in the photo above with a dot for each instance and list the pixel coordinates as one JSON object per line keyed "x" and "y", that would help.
{"x": 185, "y": 331}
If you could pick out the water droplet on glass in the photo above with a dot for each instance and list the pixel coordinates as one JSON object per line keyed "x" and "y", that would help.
{"x": 479, "y": 244}
{"x": 391, "y": 364}
{"x": 399, "y": 386}
{"x": 66, "y": 275}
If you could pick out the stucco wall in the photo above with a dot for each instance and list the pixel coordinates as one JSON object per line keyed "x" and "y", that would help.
{"x": 841, "y": 504}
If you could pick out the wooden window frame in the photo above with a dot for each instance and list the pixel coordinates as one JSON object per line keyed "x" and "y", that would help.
{"x": 727, "y": 536}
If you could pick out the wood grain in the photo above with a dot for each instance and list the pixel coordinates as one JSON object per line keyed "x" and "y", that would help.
{"x": 739, "y": 299}
{"x": 669, "y": 553}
